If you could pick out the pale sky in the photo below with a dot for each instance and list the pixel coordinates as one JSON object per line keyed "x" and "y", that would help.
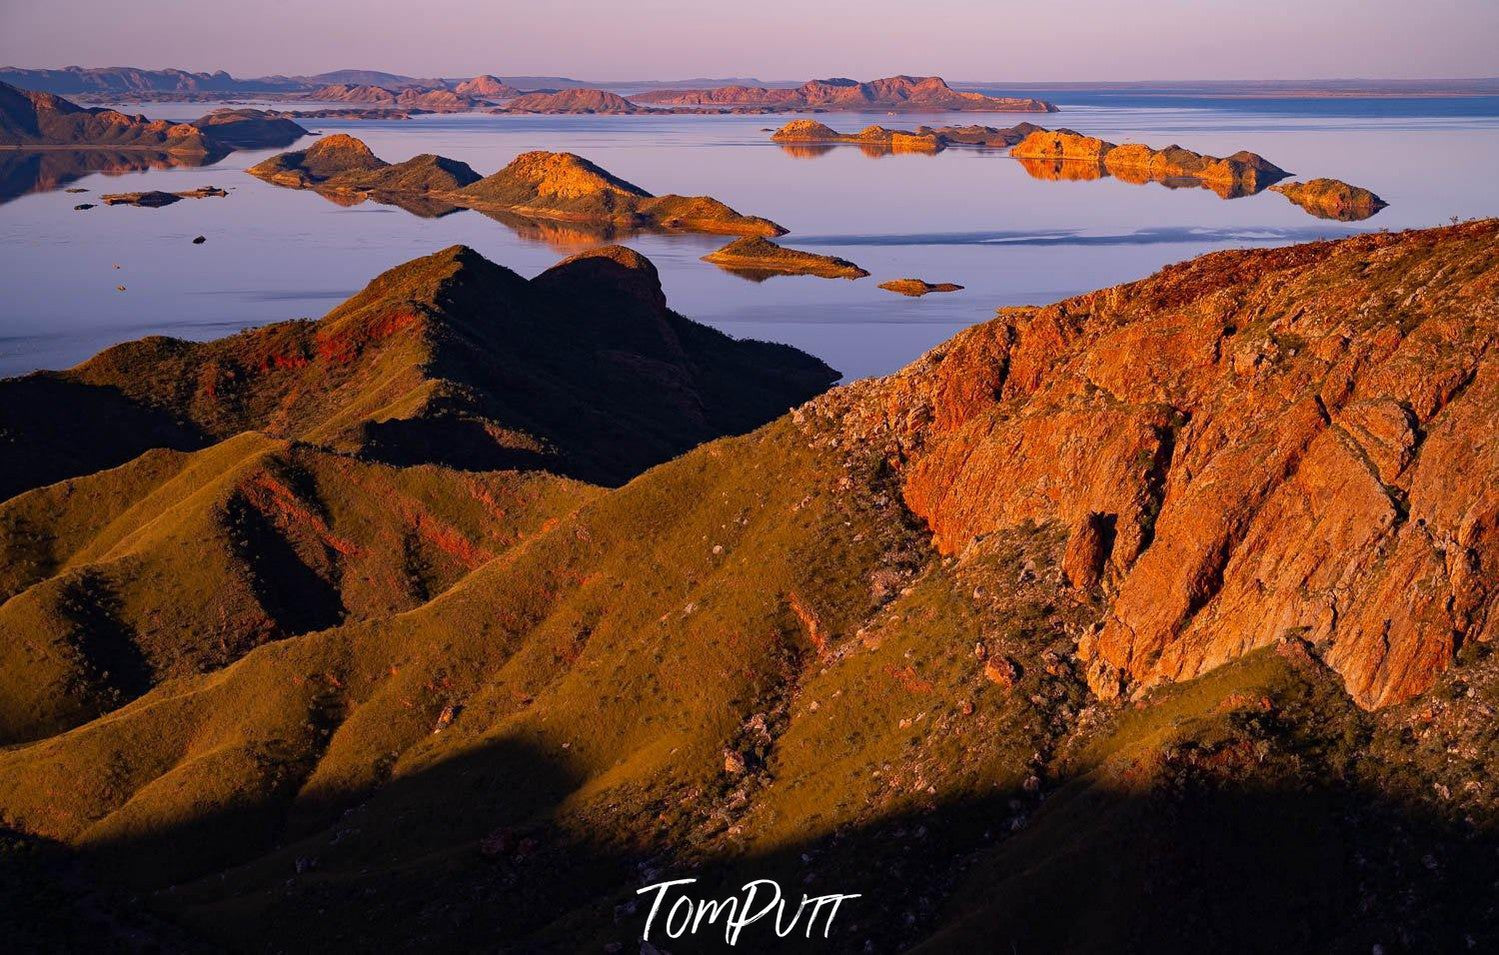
{"x": 1034, "y": 40}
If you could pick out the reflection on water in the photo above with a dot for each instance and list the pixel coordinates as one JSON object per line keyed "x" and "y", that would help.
{"x": 24, "y": 171}
{"x": 970, "y": 216}
{"x": 806, "y": 150}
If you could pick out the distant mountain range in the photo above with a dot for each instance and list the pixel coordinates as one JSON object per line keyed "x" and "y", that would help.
{"x": 129, "y": 79}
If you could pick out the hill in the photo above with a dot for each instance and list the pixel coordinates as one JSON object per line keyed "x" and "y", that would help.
{"x": 1159, "y": 617}
{"x": 447, "y": 358}
{"x": 573, "y": 101}
{"x": 894, "y": 93}
{"x": 486, "y": 87}
{"x": 411, "y": 97}
{"x": 45, "y": 119}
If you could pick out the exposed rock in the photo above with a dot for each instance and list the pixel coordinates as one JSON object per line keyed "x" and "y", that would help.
{"x": 82, "y": 206}
{"x": 917, "y": 288}
{"x": 895, "y": 93}
{"x": 1088, "y": 550}
{"x": 758, "y": 258}
{"x": 1332, "y": 199}
{"x": 199, "y": 240}
{"x": 1003, "y": 671}
{"x": 1064, "y": 144}
{"x": 1243, "y": 173}
{"x": 1277, "y": 433}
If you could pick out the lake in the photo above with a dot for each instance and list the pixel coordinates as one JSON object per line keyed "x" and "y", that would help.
{"x": 974, "y": 217}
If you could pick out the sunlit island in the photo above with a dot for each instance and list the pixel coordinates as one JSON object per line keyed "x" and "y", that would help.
{"x": 536, "y": 185}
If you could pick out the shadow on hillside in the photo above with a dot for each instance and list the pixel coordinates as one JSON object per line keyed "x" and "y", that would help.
{"x": 59, "y": 429}
{"x": 467, "y": 855}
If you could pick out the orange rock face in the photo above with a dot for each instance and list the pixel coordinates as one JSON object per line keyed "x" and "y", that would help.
{"x": 1289, "y": 442}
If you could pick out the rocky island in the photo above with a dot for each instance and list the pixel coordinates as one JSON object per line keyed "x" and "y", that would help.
{"x": 902, "y": 94}
{"x": 880, "y": 140}
{"x": 915, "y": 288}
{"x": 536, "y": 185}
{"x": 758, "y": 258}
{"x": 155, "y": 199}
{"x": 1243, "y": 173}
{"x": 1332, "y": 199}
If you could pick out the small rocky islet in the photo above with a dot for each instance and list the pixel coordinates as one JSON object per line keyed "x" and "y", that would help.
{"x": 1332, "y": 199}
{"x": 758, "y": 258}
{"x": 915, "y": 288}
{"x": 155, "y": 198}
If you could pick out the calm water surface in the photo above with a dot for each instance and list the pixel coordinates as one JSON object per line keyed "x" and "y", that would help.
{"x": 967, "y": 216}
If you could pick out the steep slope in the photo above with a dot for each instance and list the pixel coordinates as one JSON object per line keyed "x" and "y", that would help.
{"x": 857, "y": 651}
{"x": 448, "y": 358}
{"x": 1254, "y": 444}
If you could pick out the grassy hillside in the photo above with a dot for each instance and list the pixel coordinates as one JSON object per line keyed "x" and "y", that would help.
{"x": 855, "y": 649}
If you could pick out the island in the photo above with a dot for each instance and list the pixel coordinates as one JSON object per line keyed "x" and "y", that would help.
{"x": 1244, "y": 173}
{"x": 757, "y": 259}
{"x": 414, "y": 97}
{"x": 878, "y": 140}
{"x": 915, "y": 288}
{"x": 573, "y": 101}
{"x": 536, "y": 185}
{"x": 1332, "y": 199}
{"x": 155, "y": 198}
{"x": 32, "y": 120}
{"x": 902, "y": 94}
